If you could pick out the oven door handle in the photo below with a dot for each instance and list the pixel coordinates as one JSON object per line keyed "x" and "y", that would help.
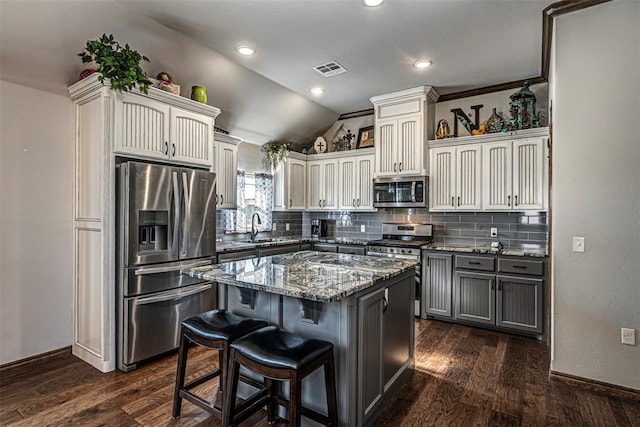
{"x": 155, "y": 270}
{"x": 173, "y": 295}
{"x": 413, "y": 191}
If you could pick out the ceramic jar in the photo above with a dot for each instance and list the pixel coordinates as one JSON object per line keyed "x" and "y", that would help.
{"x": 199, "y": 93}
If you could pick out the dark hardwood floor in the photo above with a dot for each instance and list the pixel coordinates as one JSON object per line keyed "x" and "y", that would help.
{"x": 464, "y": 376}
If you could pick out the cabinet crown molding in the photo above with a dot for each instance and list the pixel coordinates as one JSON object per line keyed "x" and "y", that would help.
{"x": 339, "y": 154}
{"x": 223, "y": 137}
{"x": 91, "y": 83}
{"x": 420, "y": 91}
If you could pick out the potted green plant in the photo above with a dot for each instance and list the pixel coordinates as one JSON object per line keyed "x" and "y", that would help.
{"x": 121, "y": 65}
{"x": 275, "y": 153}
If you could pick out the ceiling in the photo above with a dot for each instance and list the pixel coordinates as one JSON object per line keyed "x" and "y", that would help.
{"x": 472, "y": 43}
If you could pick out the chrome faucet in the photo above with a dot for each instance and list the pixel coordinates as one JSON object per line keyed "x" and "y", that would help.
{"x": 254, "y": 227}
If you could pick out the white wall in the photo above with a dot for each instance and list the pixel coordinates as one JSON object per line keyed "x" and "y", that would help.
{"x": 353, "y": 125}
{"x": 596, "y": 192}
{"x": 251, "y": 159}
{"x": 36, "y": 166}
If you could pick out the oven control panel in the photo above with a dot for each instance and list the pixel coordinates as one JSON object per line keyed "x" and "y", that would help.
{"x": 393, "y": 251}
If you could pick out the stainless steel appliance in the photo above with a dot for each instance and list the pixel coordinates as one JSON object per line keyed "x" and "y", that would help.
{"x": 404, "y": 240}
{"x": 166, "y": 220}
{"x": 400, "y": 192}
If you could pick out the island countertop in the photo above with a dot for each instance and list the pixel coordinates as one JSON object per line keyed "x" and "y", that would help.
{"x": 315, "y": 276}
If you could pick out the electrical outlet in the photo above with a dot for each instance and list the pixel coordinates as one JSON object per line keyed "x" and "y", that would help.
{"x": 494, "y": 232}
{"x": 273, "y": 226}
{"x": 287, "y": 226}
{"x": 578, "y": 244}
{"x": 362, "y": 228}
{"x": 628, "y": 336}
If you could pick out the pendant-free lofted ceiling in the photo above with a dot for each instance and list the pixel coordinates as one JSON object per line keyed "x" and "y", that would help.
{"x": 471, "y": 43}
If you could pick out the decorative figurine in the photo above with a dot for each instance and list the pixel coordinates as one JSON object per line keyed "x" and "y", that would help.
{"x": 443, "y": 130}
{"x": 481, "y": 130}
{"x": 199, "y": 93}
{"x": 523, "y": 107}
{"x": 495, "y": 123}
{"x": 164, "y": 81}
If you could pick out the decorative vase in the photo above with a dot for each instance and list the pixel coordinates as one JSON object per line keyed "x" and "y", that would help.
{"x": 495, "y": 123}
{"x": 199, "y": 93}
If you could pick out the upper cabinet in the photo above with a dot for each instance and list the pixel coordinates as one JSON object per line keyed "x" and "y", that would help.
{"x": 496, "y": 172}
{"x": 403, "y": 120}
{"x": 151, "y": 128}
{"x": 456, "y": 178}
{"x": 322, "y": 185}
{"x": 226, "y": 170}
{"x": 289, "y": 185}
{"x": 356, "y": 183}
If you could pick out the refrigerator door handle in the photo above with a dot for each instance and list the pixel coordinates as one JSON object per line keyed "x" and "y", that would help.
{"x": 176, "y": 214}
{"x": 186, "y": 223}
{"x": 173, "y": 295}
{"x": 155, "y": 270}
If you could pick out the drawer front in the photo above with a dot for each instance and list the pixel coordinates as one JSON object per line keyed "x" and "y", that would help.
{"x": 325, "y": 247}
{"x": 507, "y": 265}
{"x": 354, "y": 250}
{"x": 277, "y": 250}
{"x": 475, "y": 263}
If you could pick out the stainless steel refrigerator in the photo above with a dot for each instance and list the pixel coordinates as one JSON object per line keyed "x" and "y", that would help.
{"x": 166, "y": 220}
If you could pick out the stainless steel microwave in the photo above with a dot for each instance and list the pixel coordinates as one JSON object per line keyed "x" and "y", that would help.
{"x": 400, "y": 192}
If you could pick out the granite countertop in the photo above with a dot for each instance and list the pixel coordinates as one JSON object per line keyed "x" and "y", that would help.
{"x": 524, "y": 252}
{"x": 239, "y": 245}
{"x": 316, "y": 276}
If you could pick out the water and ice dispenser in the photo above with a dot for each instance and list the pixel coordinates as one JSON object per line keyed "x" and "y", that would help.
{"x": 153, "y": 229}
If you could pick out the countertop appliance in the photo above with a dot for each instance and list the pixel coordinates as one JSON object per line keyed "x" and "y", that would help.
{"x": 322, "y": 228}
{"x": 404, "y": 240}
{"x": 166, "y": 220}
{"x": 400, "y": 192}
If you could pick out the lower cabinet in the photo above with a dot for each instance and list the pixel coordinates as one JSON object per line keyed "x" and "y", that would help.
{"x": 519, "y": 303}
{"x": 436, "y": 284}
{"x": 474, "y": 297}
{"x": 385, "y": 343}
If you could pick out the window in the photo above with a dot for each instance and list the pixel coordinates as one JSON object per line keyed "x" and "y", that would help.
{"x": 255, "y": 195}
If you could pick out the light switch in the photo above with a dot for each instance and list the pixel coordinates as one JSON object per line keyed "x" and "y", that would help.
{"x": 578, "y": 244}
{"x": 286, "y": 226}
{"x": 273, "y": 226}
{"x": 362, "y": 228}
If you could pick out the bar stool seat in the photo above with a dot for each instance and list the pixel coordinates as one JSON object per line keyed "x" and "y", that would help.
{"x": 215, "y": 329}
{"x": 279, "y": 355}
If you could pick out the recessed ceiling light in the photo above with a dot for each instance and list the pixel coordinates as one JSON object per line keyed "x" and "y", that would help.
{"x": 423, "y": 63}
{"x": 245, "y": 50}
{"x": 317, "y": 91}
{"x": 372, "y": 3}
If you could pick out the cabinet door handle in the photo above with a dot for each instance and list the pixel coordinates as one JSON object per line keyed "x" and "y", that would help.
{"x": 400, "y": 167}
{"x": 320, "y": 203}
{"x": 493, "y": 285}
{"x": 385, "y": 304}
{"x": 216, "y": 199}
{"x": 290, "y": 202}
{"x": 508, "y": 200}
{"x": 394, "y": 167}
{"x": 453, "y": 204}
{"x": 516, "y": 200}
{"x": 358, "y": 202}
{"x": 166, "y": 148}
{"x": 499, "y": 286}
{"x": 353, "y": 203}
{"x": 221, "y": 199}
{"x": 458, "y": 200}
{"x": 474, "y": 263}
{"x": 524, "y": 267}
{"x": 174, "y": 150}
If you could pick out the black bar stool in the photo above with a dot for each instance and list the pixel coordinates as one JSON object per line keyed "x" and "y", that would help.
{"x": 215, "y": 329}
{"x": 279, "y": 355}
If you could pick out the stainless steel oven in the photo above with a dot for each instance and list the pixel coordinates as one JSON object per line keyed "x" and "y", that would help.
{"x": 400, "y": 192}
{"x": 404, "y": 241}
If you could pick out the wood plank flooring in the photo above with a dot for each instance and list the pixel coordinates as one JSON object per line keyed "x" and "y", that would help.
{"x": 464, "y": 377}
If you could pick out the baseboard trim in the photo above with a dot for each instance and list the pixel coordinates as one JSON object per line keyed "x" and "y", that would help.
{"x": 37, "y": 357}
{"x": 594, "y": 385}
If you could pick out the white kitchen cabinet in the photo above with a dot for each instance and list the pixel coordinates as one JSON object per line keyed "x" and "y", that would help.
{"x": 356, "y": 183}
{"x": 514, "y": 174}
{"x": 455, "y": 178}
{"x": 402, "y": 121}
{"x": 110, "y": 124}
{"x": 322, "y": 184}
{"x": 289, "y": 183}
{"x": 153, "y": 129}
{"x": 226, "y": 170}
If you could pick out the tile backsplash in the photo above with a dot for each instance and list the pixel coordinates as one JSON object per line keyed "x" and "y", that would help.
{"x": 515, "y": 229}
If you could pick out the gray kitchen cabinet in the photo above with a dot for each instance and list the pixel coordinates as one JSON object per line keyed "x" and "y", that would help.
{"x": 436, "y": 284}
{"x": 325, "y": 247}
{"x": 519, "y": 303}
{"x": 277, "y": 250}
{"x": 352, "y": 249}
{"x": 474, "y": 297}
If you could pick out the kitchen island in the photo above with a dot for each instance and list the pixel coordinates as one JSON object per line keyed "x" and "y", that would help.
{"x": 363, "y": 305}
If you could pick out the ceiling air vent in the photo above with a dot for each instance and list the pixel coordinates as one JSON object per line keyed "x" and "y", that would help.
{"x": 330, "y": 69}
